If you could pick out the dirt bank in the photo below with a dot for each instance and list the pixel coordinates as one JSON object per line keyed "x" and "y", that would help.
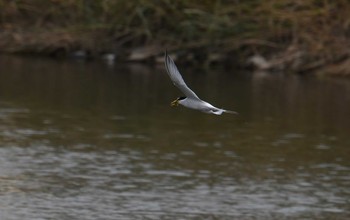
{"x": 301, "y": 36}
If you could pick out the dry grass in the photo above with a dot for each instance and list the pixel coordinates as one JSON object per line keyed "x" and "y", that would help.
{"x": 318, "y": 28}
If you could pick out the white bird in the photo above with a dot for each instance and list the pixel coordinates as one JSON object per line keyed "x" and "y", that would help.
{"x": 191, "y": 100}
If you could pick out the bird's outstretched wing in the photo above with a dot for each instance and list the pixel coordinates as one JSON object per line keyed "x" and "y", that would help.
{"x": 176, "y": 77}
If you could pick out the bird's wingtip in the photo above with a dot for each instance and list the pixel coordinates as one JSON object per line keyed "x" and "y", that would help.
{"x": 166, "y": 58}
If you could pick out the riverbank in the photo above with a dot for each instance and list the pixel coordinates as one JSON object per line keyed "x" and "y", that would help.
{"x": 279, "y": 35}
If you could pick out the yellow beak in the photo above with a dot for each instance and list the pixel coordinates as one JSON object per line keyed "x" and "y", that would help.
{"x": 174, "y": 103}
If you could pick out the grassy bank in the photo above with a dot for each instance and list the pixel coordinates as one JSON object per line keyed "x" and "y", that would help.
{"x": 301, "y": 35}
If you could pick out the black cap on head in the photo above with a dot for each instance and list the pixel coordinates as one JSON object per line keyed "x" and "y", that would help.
{"x": 181, "y": 98}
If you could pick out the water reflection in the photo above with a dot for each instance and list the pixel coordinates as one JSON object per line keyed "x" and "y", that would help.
{"x": 82, "y": 140}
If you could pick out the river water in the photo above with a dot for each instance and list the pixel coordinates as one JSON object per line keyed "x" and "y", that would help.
{"x": 86, "y": 140}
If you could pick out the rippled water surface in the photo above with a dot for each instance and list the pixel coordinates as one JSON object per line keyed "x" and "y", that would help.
{"x": 92, "y": 141}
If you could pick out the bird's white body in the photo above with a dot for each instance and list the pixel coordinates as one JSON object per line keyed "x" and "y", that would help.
{"x": 191, "y": 100}
{"x": 201, "y": 106}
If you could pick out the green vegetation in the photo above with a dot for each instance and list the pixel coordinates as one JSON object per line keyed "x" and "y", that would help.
{"x": 299, "y": 34}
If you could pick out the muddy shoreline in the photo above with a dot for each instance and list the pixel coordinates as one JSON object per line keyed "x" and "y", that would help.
{"x": 301, "y": 37}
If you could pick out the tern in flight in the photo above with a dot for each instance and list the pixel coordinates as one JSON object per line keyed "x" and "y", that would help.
{"x": 190, "y": 100}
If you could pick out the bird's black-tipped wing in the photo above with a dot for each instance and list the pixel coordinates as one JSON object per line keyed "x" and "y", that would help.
{"x": 176, "y": 77}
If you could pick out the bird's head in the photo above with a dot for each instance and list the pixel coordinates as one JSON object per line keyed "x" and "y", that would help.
{"x": 176, "y": 101}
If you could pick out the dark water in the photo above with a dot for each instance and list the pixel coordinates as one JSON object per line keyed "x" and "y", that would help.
{"x": 91, "y": 141}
